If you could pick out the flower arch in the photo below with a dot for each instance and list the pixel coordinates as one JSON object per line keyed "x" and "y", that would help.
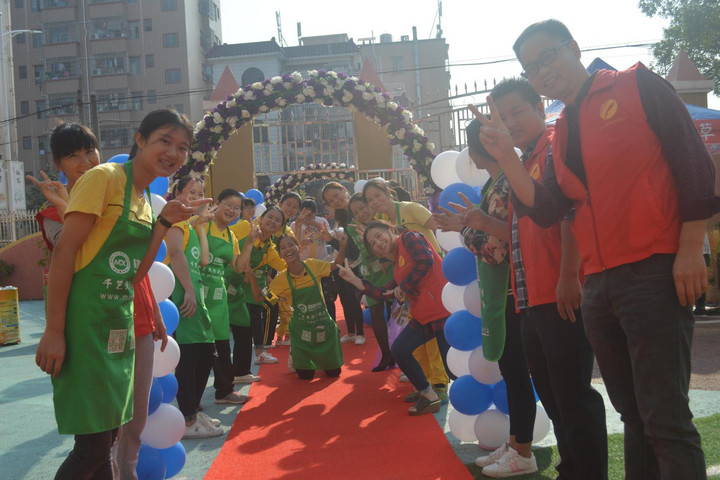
{"x": 327, "y": 88}
{"x": 321, "y": 171}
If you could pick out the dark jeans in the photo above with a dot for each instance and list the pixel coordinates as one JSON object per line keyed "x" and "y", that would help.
{"x": 89, "y": 458}
{"x": 192, "y": 373}
{"x": 642, "y": 337}
{"x": 330, "y": 295}
{"x": 263, "y": 320}
{"x": 409, "y": 339}
{"x": 351, "y": 305}
{"x": 520, "y": 395}
{"x": 561, "y": 363}
{"x": 223, "y": 369}
{"x": 309, "y": 374}
{"x": 242, "y": 350}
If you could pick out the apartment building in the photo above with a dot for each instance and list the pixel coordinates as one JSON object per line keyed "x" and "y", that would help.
{"x": 133, "y": 56}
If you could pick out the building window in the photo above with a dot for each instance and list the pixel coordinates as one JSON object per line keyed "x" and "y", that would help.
{"x": 37, "y": 40}
{"x": 20, "y": 38}
{"x": 171, "y": 40}
{"x": 114, "y": 137}
{"x": 397, "y": 64}
{"x": 149, "y": 61}
{"x": 22, "y": 71}
{"x": 63, "y": 104}
{"x": 137, "y": 100}
{"x": 27, "y": 143}
{"x": 135, "y": 65}
{"x": 172, "y": 75}
{"x": 39, "y": 73}
{"x": 152, "y": 96}
{"x": 169, "y": 5}
{"x": 134, "y": 29}
{"x": 24, "y": 107}
{"x": 41, "y": 109}
{"x": 58, "y": 68}
{"x": 19, "y": 3}
{"x": 109, "y": 64}
{"x": 147, "y": 24}
{"x": 252, "y": 75}
{"x": 112, "y": 100}
{"x": 60, "y": 33}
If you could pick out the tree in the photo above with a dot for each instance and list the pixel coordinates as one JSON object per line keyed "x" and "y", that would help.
{"x": 695, "y": 28}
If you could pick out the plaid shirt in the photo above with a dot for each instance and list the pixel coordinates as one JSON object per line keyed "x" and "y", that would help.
{"x": 421, "y": 253}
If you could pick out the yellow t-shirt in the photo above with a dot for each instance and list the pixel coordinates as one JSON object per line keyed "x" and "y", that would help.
{"x": 101, "y": 192}
{"x": 414, "y": 216}
{"x": 223, "y": 234}
{"x": 280, "y": 287}
{"x": 185, "y": 227}
{"x": 242, "y": 229}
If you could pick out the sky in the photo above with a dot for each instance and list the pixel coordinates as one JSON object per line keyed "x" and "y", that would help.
{"x": 475, "y": 30}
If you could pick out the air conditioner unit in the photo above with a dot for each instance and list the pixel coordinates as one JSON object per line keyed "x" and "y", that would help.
{"x": 93, "y": 36}
{"x": 97, "y": 71}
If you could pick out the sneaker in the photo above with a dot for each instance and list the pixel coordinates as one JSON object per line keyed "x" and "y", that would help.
{"x": 201, "y": 429}
{"x": 290, "y": 366}
{"x": 234, "y": 398}
{"x": 205, "y": 418}
{"x": 403, "y": 378}
{"x": 283, "y": 343}
{"x": 249, "y": 378}
{"x": 359, "y": 340}
{"x": 510, "y": 465}
{"x": 265, "y": 357}
{"x": 347, "y": 338}
{"x": 496, "y": 455}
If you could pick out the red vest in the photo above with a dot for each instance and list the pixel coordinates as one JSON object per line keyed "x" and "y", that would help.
{"x": 629, "y": 210}
{"x": 427, "y": 306}
{"x": 540, "y": 247}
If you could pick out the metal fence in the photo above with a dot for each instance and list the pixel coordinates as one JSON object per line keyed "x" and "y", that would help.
{"x": 15, "y": 225}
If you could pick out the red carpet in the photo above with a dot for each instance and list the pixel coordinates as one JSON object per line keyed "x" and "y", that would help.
{"x": 355, "y": 426}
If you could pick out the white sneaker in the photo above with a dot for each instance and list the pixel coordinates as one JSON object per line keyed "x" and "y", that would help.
{"x": 510, "y": 465}
{"x": 494, "y": 456}
{"x": 201, "y": 429}
{"x": 291, "y": 367}
{"x": 265, "y": 357}
{"x": 347, "y": 338}
{"x": 207, "y": 419}
{"x": 233, "y": 398}
{"x": 359, "y": 340}
{"x": 249, "y": 378}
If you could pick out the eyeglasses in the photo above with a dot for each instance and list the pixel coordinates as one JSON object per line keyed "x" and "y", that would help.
{"x": 231, "y": 207}
{"x": 544, "y": 61}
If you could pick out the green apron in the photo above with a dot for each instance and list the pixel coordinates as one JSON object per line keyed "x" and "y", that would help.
{"x": 493, "y": 284}
{"x": 371, "y": 267}
{"x": 195, "y": 329}
{"x": 313, "y": 333}
{"x": 237, "y": 308}
{"x": 94, "y": 390}
{"x": 221, "y": 255}
{"x": 260, "y": 271}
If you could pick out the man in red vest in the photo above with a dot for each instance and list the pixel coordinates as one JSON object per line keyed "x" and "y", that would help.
{"x": 627, "y": 157}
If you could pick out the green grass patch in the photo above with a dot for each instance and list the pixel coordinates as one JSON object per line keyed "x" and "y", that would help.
{"x": 547, "y": 457}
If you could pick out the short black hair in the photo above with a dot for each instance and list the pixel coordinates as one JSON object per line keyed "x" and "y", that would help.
{"x": 472, "y": 132}
{"x": 164, "y": 117}
{"x": 227, "y": 193}
{"x": 515, "y": 85}
{"x": 68, "y": 138}
{"x": 551, "y": 27}
{"x": 182, "y": 183}
{"x": 310, "y": 204}
{"x": 248, "y": 202}
{"x": 289, "y": 195}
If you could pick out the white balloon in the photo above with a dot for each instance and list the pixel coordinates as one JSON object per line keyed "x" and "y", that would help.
{"x": 542, "y": 424}
{"x": 449, "y": 240}
{"x": 459, "y": 361}
{"x": 260, "y": 209}
{"x": 471, "y": 299}
{"x": 443, "y": 170}
{"x": 165, "y": 362}
{"x": 162, "y": 281}
{"x": 462, "y": 426}
{"x": 157, "y": 202}
{"x": 483, "y": 370}
{"x": 164, "y": 428}
{"x": 452, "y": 297}
{"x": 492, "y": 429}
{"x": 468, "y": 172}
{"x": 359, "y": 185}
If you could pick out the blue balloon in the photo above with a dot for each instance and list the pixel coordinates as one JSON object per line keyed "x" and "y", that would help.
{"x": 174, "y": 459}
{"x": 170, "y": 315}
{"x": 162, "y": 252}
{"x": 119, "y": 158}
{"x": 151, "y": 464}
{"x": 499, "y": 397}
{"x": 537, "y": 398}
{"x": 367, "y": 319}
{"x": 156, "y": 396}
{"x": 256, "y": 195}
{"x": 160, "y": 186}
{"x": 459, "y": 266}
{"x": 463, "y": 331}
{"x": 62, "y": 178}
{"x": 470, "y": 397}
{"x": 169, "y": 387}
{"x": 450, "y": 194}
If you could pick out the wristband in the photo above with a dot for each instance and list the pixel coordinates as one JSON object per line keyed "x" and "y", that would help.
{"x": 163, "y": 221}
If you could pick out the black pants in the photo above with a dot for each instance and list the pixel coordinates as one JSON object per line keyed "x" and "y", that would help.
{"x": 223, "y": 369}
{"x": 351, "y": 305}
{"x": 309, "y": 374}
{"x": 521, "y": 398}
{"x": 192, "y": 373}
{"x": 330, "y": 295}
{"x": 561, "y": 363}
{"x": 263, "y": 321}
{"x": 242, "y": 350}
{"x": 89, "y": 458}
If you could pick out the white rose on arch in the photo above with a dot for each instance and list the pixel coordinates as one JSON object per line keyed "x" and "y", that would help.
{"x": 257, "y": 86}
{"x": 296, "y": 77}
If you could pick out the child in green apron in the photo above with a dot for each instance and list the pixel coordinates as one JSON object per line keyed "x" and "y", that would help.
{"x": 223, "y": 247}
{"x": 88, "y": 344}
{"x": 314, "y": 337}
